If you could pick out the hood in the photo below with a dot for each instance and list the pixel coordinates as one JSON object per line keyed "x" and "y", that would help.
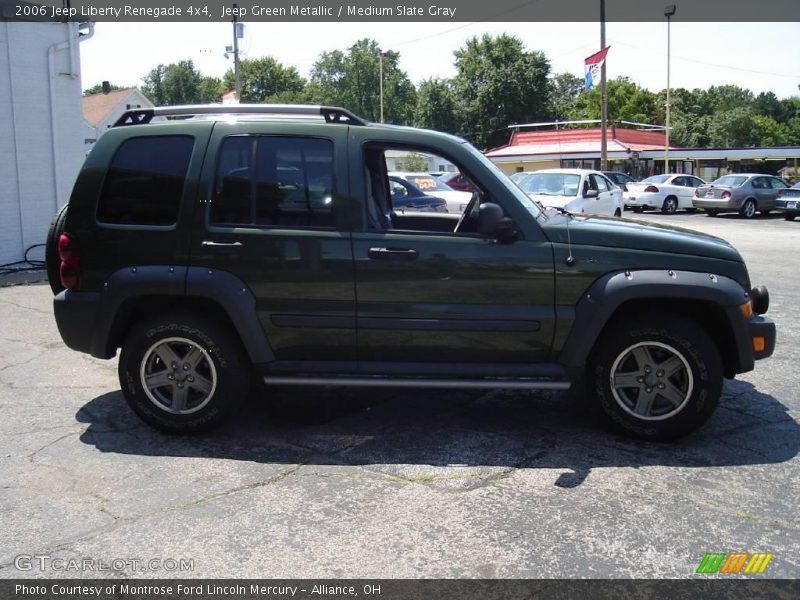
{"x": 550, "y": 200}
{"x": 627, "y": 233}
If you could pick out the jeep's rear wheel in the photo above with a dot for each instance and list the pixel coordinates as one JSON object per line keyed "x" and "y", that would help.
{"x": 656, "y": 382}
{"x": 183, "y": 373}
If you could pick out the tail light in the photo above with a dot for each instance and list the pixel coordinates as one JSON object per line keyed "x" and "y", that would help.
{"x": 726, "y": 195}
{"x": 651, "y": 188}
{"x": 70, "y": 269}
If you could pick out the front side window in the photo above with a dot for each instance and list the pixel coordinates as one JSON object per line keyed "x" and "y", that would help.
{"x": 145, "y": 181}
{"x": 276, "y": 181}
{"x": 552, "y": 184}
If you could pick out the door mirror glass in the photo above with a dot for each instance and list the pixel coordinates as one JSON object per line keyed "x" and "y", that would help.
{"x": 591, "y": 193}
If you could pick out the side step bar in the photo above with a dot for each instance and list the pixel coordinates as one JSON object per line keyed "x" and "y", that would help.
{"x": 421, "y": 382}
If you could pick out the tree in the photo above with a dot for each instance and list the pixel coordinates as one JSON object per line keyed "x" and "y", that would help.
{"x": 413, "y": 163}
{"x": 499, "y": 83}
{"x": 266, "y": 80}
{"x": 733, "y": 128}
{"x": 98, "y": 88}
{"x": 210, "y": 89}
{"x": 176, "y": 83}
{"x": 436, "y": 106}
{"x": 565, "y": 88}
{"x": 352, "y": 80}
{"x": 626, "y": 102}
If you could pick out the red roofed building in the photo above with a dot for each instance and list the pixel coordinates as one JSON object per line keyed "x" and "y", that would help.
{"x": 638, "y": 152}
{"x": 579, "y": 148}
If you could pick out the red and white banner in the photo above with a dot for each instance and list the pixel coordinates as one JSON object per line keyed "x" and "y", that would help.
{"x": 592, "y": 65}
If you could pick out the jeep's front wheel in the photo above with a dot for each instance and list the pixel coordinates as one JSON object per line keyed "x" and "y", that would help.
{"x": 656, "y": 382}
{"x": 183, "y": 373}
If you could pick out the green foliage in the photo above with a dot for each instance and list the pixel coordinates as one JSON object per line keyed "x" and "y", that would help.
{"x": 499, "y": 83}
{"x": 98, "y": 88}
{"x": 626, "y": 102}
{"x": 352, "y": 80}
{"x": 266, "y": 80}
{"x": 176, "y": 83}
{"x": 210, "y": 90}
{"x": 565, "y": 89}
{"x": 414, "y": 163}
{"x": 437, "y": 107}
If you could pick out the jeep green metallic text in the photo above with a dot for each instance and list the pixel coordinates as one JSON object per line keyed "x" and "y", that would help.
{"x": 228, "y": 241}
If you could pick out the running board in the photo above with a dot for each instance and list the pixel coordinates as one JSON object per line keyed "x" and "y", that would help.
{"x": 420, "y": 382}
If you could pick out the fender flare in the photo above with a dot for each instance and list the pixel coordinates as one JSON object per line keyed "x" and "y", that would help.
{"x": 602, "y": 299}
{"x": 223, "y": 288}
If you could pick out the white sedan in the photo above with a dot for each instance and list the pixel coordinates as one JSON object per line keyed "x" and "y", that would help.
{"x": 575, "y": 190}
{"x": 665, "y": 192}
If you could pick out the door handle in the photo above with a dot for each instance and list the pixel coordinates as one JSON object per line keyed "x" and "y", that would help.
{"x": 393, "y": 254}
{"x": 221, "y": 244}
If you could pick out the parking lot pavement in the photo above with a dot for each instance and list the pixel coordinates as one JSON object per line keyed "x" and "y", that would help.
{"x": 395, "y": 483}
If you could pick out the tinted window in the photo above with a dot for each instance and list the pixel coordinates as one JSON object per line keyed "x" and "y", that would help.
{"x": 602, "y": 183}
{"x": 144, "y": 183}
{"x": 681, "y": 181}
{"x": 274, "y": 181}
{"x": 694, "y": 182}
{"x": 777, "y": 184}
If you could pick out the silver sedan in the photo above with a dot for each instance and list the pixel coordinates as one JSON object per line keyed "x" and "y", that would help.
{"x": 745, "y": 193}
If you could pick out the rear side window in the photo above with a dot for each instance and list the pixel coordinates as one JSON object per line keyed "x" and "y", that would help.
{"x": 144, "y": 183}
{"x": 274, "y": 182}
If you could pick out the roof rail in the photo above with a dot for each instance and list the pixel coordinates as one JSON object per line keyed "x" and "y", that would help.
{"x": 332, "y": 114}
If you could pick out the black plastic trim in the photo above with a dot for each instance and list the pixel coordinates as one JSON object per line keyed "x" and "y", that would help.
{"x": 389, "y": 323}
{"x": 606, "y": 294}
{"x": 437, "y": 369}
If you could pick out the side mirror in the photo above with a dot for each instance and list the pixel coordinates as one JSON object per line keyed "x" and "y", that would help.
{"x": 591, "y": 194}
{"x": 493, "y": 223}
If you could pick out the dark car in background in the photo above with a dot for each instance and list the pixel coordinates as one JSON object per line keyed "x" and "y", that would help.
{"x": 745, "y": 193}
{"x": 788, "y": 202}
{"x": 620, "y": 179}
{"x": 408, "y": 197}
{"x": 458, "y": 181}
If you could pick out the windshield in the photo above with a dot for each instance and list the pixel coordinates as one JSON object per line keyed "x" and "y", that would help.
{"x": 532, "y": 207}
{"x": 656, "y": 179}
{"x": 796, "y": 186}
{"x": 731, "y": 180}
{"x": 427, "y": 183}
{"x": 552, "y": 184}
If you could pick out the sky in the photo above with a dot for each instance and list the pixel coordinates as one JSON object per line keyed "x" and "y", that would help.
{"x": 759, "y": 56}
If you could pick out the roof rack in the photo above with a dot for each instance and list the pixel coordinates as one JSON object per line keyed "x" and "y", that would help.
{"x": 332, "y": 114}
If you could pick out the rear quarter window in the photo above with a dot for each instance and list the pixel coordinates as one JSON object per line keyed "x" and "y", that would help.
{"x": 145, "y": 180}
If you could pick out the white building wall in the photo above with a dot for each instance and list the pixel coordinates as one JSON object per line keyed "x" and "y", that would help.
{"x": 41, "y": 149}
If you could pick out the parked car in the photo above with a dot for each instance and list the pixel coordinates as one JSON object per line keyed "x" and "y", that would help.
{"x": 458, "y": 181}
{"x": 575, "y": 190}
{"x": 519, "y": 176}
{"x": 456, "y": 201}
{"x": 619, "y": 178}
{"x": 745, "y": 193}
{"x": 665, "y": 192}
{"x": 788, "y": 202}
{"x": 408, "y": 197}
{"x": 185, "y": 245}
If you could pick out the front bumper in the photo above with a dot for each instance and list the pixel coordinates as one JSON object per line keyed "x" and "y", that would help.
{"x": 762, "y": 328}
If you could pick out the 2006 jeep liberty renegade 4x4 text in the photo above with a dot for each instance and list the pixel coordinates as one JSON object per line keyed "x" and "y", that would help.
{"x": 211, "y": 243}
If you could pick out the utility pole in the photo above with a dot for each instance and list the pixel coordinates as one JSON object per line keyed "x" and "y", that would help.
{"x": 381, "y": 56}
{"x": 603, "y": 93}
{"x": 669, "y": 11}
{"x": 236, "y": 31}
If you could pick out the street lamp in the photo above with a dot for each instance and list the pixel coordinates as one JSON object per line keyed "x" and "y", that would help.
{"x": 380, "y": 82}
{"x": 669, "y": 11}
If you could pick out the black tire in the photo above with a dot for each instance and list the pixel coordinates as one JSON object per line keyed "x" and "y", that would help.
{"x": 51, "y": 260}
{"x": 668, "y": 336}
{"x": 765, "y": 213}
{"x": 618, "y": 213}
{"x": 222, "y": 362}
{"x": 712, "y": 212}
{"x": 691, "y": 210}
{"x": 789, "y": 216}
{"x": 748, "y": 209}
{"x": 638, "y": 209}
{"x": 670, "y": 206}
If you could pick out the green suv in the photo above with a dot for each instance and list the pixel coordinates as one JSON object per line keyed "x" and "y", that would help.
{"x": 215, "y": 243}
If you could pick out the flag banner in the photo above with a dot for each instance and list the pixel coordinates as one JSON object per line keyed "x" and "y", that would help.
{"x": 591, "y": 67}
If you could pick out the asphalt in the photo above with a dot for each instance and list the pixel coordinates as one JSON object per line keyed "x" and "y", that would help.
{"x": 397, "y": 484}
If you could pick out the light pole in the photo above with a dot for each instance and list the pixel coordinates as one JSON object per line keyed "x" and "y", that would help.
{"x": 380, "y": 82}
{"x": 237, "y": 33}
{"x": 669, "y": 11}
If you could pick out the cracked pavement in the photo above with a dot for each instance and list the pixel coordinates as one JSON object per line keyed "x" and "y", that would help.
{"x": 391, "y": 483}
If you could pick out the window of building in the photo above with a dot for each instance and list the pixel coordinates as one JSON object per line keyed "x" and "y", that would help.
{"x": 145, "y": 181}
{"x": 275, "y": 181}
